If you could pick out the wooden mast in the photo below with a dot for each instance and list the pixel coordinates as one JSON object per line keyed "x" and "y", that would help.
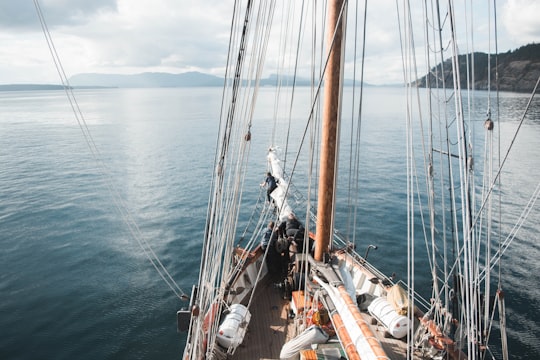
{"x": 330, "y": 131}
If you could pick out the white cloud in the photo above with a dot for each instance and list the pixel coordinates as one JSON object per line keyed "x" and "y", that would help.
{"x": 132, "y": 36}
{"x": 22, "y": 14}
{"x": 521, "y": 19}
{"x": 159, "y": 36}
{"x": 123, "y": 36}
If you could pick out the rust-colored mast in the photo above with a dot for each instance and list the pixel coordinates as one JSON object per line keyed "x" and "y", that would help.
{"x": 330, "y": 131}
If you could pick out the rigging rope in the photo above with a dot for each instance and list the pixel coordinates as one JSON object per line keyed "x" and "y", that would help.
{"x": 502, "y": 311}
{"x": 497, "y": 175}
{"x": 300, "y": 34}
{"x": 354, "y": 161}
{"x": 496, "y": 258}
{"x": 467, "y": 259}
{"x": 232, "y": 159}
{"x": 113, "y": 190}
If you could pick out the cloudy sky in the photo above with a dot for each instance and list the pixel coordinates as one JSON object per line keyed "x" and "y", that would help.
{"x": 134, "y": 36}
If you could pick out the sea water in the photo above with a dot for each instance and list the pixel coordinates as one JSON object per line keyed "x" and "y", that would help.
{"x": 74, "y": 282}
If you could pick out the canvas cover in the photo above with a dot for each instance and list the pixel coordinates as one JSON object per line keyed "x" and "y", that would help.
{"x": 312, "y": 335}
{"x": 397, "y": 297}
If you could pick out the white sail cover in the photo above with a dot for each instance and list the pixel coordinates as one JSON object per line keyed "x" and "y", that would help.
{"x": 280, "y": 193}
{"x": 312, "y": 335}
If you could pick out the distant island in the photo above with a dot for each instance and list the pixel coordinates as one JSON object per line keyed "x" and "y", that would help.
{"x": 187, "y": 79}
{"x": 147, "y": 80}
{"x": 151, "y": 80}
{"x": 517, "y": 70}
{"x": 35, "y": 87}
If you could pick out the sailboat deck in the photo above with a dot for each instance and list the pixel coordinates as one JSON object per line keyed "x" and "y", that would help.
{"x": 273, "y": 328}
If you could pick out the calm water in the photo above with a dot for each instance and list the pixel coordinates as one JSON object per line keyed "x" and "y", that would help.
{"x": 75, "y": 285}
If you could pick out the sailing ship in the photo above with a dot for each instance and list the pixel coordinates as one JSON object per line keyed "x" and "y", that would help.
{"x": 311, "y": 293}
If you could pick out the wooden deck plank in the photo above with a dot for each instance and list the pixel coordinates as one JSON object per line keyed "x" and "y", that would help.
{"x": 266, "y": 336}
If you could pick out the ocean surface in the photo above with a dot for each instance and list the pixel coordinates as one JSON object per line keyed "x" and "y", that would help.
{"x": 75, "y": 284}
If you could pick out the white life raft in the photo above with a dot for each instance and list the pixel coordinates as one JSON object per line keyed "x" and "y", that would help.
{"x": 233, "y": 328}
{"x": 395, "y": 324}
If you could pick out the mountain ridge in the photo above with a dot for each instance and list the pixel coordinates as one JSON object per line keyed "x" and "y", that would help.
{"x": 161, "y": 79}
{"x": 146, "y": 79}
{"x": 517, "y": 71}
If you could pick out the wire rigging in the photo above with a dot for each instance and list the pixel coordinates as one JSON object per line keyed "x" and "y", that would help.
{"x": 113, "y": 190}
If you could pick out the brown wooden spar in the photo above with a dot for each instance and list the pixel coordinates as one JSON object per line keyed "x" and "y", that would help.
{"x": 329, "y": 132}
{"x": 348, "y": 345}
{"x": 372, "y": 341}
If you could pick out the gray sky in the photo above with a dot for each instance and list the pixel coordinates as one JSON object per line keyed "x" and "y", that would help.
{"x": 134, "y": 36}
